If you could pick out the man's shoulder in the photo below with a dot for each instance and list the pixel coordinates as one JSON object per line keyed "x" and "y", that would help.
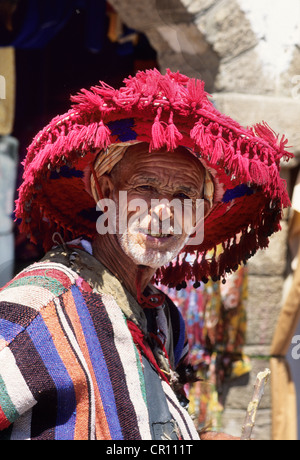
{"x": 38, "y": 283}
{"x": 30, "y": 292}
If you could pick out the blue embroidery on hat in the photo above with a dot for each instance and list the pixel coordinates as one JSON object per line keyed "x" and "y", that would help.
{"x": 66, "y": 172}
{"x": 123, "y": 129}
{"x": 237, "y": 192}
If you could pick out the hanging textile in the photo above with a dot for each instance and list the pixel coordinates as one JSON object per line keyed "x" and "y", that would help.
{"x": 215, "y": 320}
{"x": 42, "y": 21}
{"x": 8, "y": 172}
{"x": 7, "y": 90}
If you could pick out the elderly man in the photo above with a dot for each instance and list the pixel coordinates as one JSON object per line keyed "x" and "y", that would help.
{"x": 90, "y": 348}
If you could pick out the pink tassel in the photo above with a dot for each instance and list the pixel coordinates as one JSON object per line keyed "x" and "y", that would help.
{"x": 208, "y": 143}
{"x": 195, "y": 132}
{"x": 86, "y": 101}
{"x": 95, "y": 135}
{"x": 185, "y": 270}
{"x": 158, "y": 133}
{"x": 273, "y": 172}
{"x": 282, "y": 149}
{"x": 239, "y": 166}
{"x": 76, "y": 137}
{"x": 167, "y": 274}
{"x": 233, "y": 255}
{"x": 104, "y": 89}
{"x": 264, "y": 131}
{"x": 58, "y": 147}
{"x": 197, "y": 95}
{"x": 244, "y": 163}
{"x": 229, "y": 153}
{"x": 169, "y": 89}
{"x": 42, "y": 159}
{"x": 102, "y": 136}
{"x": 198, "y": 134}
{"x": 258, "y": 172}
{"x": 218, "y": 151}
{"x": 201, "y": 268}
{"x": 222, "y": 262}
{"x": 91, "y": 134}
{"x": 263, "y": 240}
{"x": 214, "y": 268}
{"x": 172, "y": 134}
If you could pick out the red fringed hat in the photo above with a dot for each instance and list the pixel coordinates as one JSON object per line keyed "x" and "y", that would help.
{"x": 166, "y": 111}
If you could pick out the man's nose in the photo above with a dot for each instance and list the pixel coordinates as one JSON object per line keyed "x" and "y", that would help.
{"x": 162, "y": 217}
{"x": 162, "y": 211}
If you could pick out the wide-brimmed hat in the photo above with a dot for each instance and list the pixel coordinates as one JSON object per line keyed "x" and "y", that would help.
{"x": 165, "y": 111}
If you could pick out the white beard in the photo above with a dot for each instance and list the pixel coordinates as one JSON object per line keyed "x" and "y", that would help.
{"x": 150, "y": 257}
{"x": 132, "y": 242}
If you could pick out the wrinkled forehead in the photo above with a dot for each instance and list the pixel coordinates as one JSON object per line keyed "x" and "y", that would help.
{"x": 138, "y": 160}
{"x": 119, "y": 158}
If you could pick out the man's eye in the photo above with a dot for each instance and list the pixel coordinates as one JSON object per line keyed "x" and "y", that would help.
{"x": 182, "y": 196}
{"x": 145, "y": 188}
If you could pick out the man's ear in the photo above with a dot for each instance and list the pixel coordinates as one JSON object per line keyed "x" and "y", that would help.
{"x": 106, "y": 186}
{"x": 207, "y": 207}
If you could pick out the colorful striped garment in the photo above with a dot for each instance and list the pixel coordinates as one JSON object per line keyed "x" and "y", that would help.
{"x": 69, "y": 367}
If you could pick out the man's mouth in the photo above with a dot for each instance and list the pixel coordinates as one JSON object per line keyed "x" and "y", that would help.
{"x": 159, "y": 235}
{"x": 150, "y": 234}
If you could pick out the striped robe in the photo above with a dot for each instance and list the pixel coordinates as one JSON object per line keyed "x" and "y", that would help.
{"x": 69, "y": 368}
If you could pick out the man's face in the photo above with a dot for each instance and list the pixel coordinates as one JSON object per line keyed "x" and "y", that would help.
{"x": 155, "y": 231}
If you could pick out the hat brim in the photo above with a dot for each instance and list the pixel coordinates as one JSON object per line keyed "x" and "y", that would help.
{"x": 53, "y": 196}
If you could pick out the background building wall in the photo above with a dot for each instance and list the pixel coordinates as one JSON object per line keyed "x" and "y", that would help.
{"x": 248, "y": 53}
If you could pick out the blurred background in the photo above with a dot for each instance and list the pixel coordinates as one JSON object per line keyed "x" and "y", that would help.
{"x": 248, "y": 54}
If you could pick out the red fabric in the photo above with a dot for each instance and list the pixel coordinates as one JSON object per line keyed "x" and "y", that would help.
{"x": 4, "y": 422}
{"x": 150, "y": 301}
{"x": 141, "y": 342}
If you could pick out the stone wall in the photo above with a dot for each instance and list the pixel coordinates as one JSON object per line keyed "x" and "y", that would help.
{"x": 248, "y": 53}
{"x": 266, "y": 282}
